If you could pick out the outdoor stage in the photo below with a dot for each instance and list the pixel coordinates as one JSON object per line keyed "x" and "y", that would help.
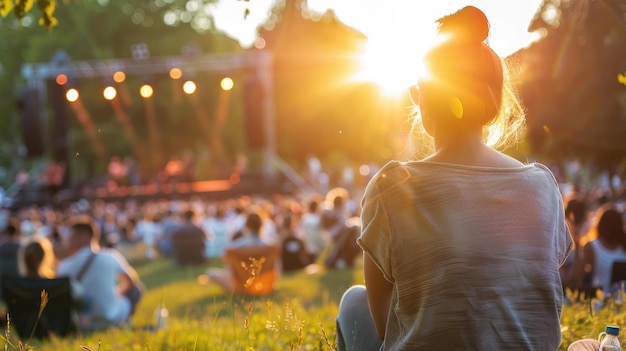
{"x": 235, "y": 186}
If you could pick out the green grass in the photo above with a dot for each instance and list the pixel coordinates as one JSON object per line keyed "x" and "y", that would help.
{"x": 300, "y": 315}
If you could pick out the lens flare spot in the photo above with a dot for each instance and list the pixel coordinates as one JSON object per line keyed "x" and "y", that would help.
{"x": 456, "y": 107}
{"x": 203, "y": 279}
{"x": 547, "y": 129}
{"x": 621, "y": 78}
{"x": 364, "y": 170}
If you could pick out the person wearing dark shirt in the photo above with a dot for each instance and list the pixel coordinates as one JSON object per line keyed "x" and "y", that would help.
{"x": 9, "y": 246}
{"x": 188, "y": 242}
{"x": 293, "y": 251}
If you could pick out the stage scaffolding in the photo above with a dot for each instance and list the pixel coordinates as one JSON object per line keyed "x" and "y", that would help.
{"x": 259, "y": 62}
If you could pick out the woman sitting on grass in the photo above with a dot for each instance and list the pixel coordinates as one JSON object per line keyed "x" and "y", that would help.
{"x": 249, "y": 262}
{"x": 36, "y": 259}
{"x": 462, "y": 249}
{"x": 602, "y": 246}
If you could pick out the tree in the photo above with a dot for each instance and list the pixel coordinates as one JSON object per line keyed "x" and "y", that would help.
{"x": 569, "y": 83}
{"x": 21, "y": 8}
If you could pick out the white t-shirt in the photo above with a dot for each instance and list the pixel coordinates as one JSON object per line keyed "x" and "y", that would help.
{"x": 217, "y": 230}
{"x": 150, "y": 232}
{"x": 315, "y": 238}
{"x": 99, "y": 285}
{"x": 603, "y": 265}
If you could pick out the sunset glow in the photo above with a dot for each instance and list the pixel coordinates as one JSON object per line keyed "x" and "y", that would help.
{"x": 391, "y": 66}
{"x": 398, "y": 31}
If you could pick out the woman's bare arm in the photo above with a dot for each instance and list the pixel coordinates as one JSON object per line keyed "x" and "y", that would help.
{"x": 379, "y": 292}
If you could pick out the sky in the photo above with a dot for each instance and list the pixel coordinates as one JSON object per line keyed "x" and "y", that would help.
{"x": 398, "y": 31}
{"x": 405, "y": 19}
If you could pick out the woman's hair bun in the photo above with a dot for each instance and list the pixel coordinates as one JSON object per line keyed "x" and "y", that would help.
{"x": 469, "y": 23}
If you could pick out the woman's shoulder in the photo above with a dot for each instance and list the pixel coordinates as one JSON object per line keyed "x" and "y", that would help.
{"x": 392, "y": 180}
{"x": 390, "y": 170}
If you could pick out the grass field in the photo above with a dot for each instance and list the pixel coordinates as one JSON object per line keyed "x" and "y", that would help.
{"x": 300, "y": 315}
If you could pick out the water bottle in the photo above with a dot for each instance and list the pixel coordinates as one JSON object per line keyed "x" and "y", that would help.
{"x": 161, "y": 313}
{"x": 608, "y": 339}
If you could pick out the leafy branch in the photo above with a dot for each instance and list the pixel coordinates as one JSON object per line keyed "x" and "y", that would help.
{"x": 21, "y": 8}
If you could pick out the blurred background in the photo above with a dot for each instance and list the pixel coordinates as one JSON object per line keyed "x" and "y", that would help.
{"x": 115, "y": 98}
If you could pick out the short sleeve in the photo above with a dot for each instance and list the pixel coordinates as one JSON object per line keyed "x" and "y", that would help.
{"x": 375, "y": 237}
{"x": 564, "y": 239}
{"x": 564, "y": 242}
{"x": 567, "y": 244}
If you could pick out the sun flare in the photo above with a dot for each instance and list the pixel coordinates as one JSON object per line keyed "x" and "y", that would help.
{"x": 391, "y": 65}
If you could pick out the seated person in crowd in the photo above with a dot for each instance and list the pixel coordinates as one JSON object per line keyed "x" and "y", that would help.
{"x": 344, "y": 250}
{"x": 603, "y": 245}
{"x": 110, "y": 287}
{"x": 294, "y": 254}
{"x": 251, "y": 234}
{"x": 188, "y": 242}
{"x": 249, "y": 262}
{"x": 9, "y": 246}
{"x": 36, "y": 259}
{"x": 316, "y": 239}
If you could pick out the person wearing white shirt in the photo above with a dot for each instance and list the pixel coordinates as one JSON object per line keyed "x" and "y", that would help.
{"x": 106, "y": 282}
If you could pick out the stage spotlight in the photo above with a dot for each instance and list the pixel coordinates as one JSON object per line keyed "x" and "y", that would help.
{"x": 146, "y": 91}
{"x": 61, "y": 79}
{"x": 72, "y": 95}
{"x": 227, "y": 84}
{"x": 119, "y": 77}
{"x": 109, "y": 93}
{"x": 176, "y": 73}
{"x": 189, "y": 87}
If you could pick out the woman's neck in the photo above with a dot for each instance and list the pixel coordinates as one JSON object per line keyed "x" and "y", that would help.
{"x": 468, "y": 148}
{"x": 457, "y": 147}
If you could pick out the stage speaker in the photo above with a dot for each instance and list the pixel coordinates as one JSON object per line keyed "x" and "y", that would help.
{"x": 60, "y": 128}
{"x": 59, "y": 132}
{"x": 253, "y": 110}
{"x": 27, "y": 103}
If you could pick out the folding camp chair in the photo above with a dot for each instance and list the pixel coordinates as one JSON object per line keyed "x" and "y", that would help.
{"x": 24, "y": 298}
{"x": 254, "y": 269}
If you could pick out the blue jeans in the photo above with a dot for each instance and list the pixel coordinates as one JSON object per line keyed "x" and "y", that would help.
{"x": 355, "y": 327}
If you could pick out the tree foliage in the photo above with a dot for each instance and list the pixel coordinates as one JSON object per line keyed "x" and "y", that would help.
{"x": 571, "y": 82}
{"x": 21, "y": 8}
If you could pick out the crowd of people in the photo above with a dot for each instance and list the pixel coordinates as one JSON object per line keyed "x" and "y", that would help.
{"x": 44, "y": 242}
{"x": 92, "y": 242}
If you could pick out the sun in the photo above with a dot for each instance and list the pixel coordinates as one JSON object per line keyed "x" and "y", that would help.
{"x": 390, "y": 64}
